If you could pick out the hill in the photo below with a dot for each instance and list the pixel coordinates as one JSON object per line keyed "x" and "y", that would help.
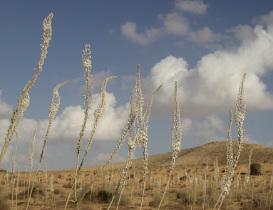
{"x": 203, "y": 155}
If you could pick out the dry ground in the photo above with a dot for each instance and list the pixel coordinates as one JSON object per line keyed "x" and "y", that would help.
{"x": 195, "y": 183}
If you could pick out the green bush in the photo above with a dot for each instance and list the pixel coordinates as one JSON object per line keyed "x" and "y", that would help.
{"x": 255, "y": 169}
{"x": 102, "y": 196}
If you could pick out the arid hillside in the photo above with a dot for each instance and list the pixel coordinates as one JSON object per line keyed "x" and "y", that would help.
{"x": 195, "y": 183}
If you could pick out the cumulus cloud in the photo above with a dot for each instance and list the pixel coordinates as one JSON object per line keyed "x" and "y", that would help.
{"x": 102, "y": 158}
{"x": 212, "y": 86}
{"x": 173, "y": 24}
{"x": 4, "y": 123}
{"x": 67, "y": 125}
{"x": 8, "y": 155}
{"x": 244, "y": 33}
{"x": 264, "y": 19}
{"x": 5, "y": 109}
{"x": 129, "y": 30}
{"x": 192, "y": 6}
{"x": 203, "y": 35}
{"x": 176, "y": 24}
{"x": 250, "y": 140}
{"x": 211, "y": 128}
{"x": 98, "y": 79}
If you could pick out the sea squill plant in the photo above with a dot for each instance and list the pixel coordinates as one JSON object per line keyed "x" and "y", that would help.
{"x": 248, "y": 170}
{"x": 138, "y": 136}
{"x": 86, "y": 62}
{"x": 31, "y": 154}
{"x": 233, "y": 161}
{"x": 176, "y": 139}
{"x": 127, "y": 129}
{"x": 23, "y": 101}
{"x": 54, "y": 107}
{"x": 12, "y": 167}
{"x": 98, "y": 113}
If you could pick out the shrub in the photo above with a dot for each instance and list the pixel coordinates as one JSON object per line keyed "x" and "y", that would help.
{"x": 255, "y": 169}
{"x": 102, "y": 196}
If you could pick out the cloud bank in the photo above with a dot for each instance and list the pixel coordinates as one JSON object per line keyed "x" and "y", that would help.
{"x": 212, "y": 86}
{"x": 67, "y": 124}
{"x": 193, "y": 6}
{"x": 173, "y": 24}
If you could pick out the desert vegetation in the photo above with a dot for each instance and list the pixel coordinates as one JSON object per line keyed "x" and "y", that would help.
{"x": 215, "y": 184}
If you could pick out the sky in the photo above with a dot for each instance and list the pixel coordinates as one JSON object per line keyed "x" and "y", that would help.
{"x": 206, "y": 46}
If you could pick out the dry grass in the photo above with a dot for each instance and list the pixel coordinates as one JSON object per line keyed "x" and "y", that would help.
{"x": 184, "y": 191}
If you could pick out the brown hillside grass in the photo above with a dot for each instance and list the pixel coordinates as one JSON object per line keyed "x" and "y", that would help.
{"x": 186, "y": 188}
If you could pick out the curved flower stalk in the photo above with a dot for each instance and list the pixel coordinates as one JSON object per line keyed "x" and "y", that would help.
{"x": 139, "y": 98}
{"x": 14, "y": 154}
{"x": 127, "y": 129}
{"x": 138, "y": 136}
{"x": 97, "y": 116}
{"x": 23, "y": 104}
{"x": 144, "y": 142}
{"x": 176, "y": 139}
{"x": 86, "y": 61}
{"x": 54, "y": 107}
{"x": 232, "y": 161}
{"x": 31, "y": 154}
{"x": 12, "y": 168}
{"x": 248, "y": 170}
{"x": 87, "y": 64}
{"x": 23, "y": 100}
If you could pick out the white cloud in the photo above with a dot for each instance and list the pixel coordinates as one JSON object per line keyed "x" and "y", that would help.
{"x": 25, "y": 129}
{"x": 97, "y": 78}
{"x": 244, "y": 33}
{"x": 67, "y": 125}
{"x": 203, "y": 35}
{"x": 186, "y": 125}
{"x": 176, "y": 24}
{"x": 212, "y": 86}
{"x": 173, "y": 24}
{"x": 192, "y": 6}
{"x": 250, "y": 140}
{"x": 5, "y": 109}
{"x": 102, "y": 158}
{"x": 264, "y": 19}
{"x": 129, "y": 30}
{"x": 4, "y": 123}
{"x": 8, "y": 155}
{"x": 211, "y": 128}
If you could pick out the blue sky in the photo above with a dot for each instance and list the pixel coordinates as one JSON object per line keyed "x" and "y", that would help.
{"x": 205, "y": 45}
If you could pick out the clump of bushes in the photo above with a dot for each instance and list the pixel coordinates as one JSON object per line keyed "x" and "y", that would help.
{"x": 102, "y": 196}
{"x": 255, "y": 169}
